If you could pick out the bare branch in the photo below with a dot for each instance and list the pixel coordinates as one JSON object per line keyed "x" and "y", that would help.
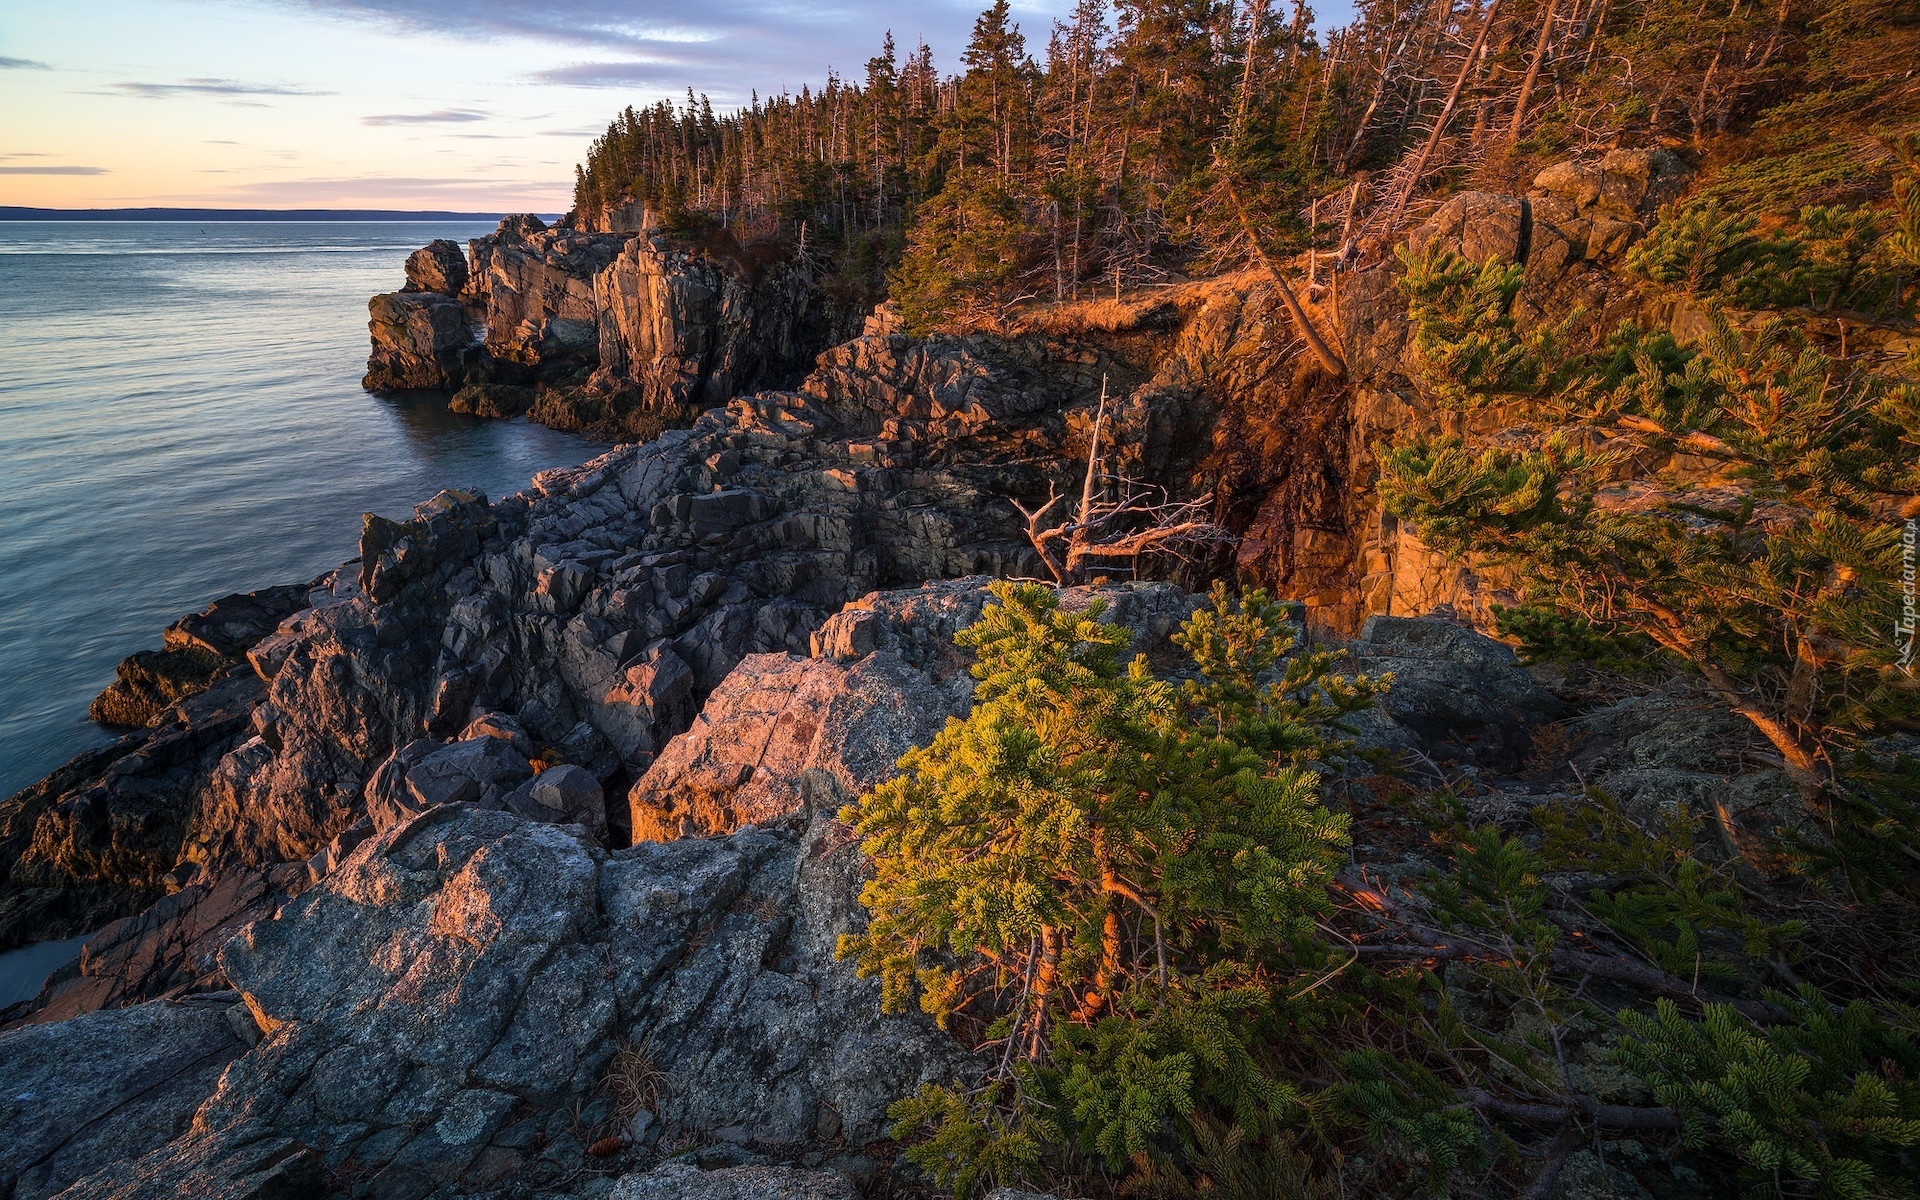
{"x": 1118, "y": 518}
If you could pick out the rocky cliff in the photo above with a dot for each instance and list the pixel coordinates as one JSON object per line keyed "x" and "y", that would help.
{"x": 593, "y": 331}
{"x": 1212, "y": 395}
{"x": 476, "y": 987}
{"x": 503, "y": 857}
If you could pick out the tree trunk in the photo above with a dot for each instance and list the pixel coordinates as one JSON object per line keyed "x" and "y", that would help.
{"x": 1540, "y": 48}
{"x": 1440, "y": 122}
{"x": 1101, "y": 994}
{"x": 1335, "y": 365}
{"x": 1044, "y": 981}
{"x": 1802, "y": 763}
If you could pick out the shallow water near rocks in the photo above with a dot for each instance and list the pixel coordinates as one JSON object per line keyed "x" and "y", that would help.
{"x": 22, "y": 971}
{"x": 181, "y": 417}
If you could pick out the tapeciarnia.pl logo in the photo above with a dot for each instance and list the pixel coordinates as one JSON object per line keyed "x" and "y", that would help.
{"x": 1903, "y": 629}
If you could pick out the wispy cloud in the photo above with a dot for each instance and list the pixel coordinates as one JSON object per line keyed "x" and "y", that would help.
{"x": 610, "y": 75}
{"x": 207, "y": 87}
{"x": 53, "y": 170}
{"x": 22, "y": 64}
{"x": 442, "y": 117}
{"x": 722, "y": 47}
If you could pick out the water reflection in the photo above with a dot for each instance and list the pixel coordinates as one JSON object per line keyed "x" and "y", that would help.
{"x": 22, "y": 971}
{"x": 182, "y": 425}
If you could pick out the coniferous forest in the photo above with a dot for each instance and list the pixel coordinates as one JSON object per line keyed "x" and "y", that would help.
{"x": 1131, "y": 888}
{"x": 1148, "y": 138}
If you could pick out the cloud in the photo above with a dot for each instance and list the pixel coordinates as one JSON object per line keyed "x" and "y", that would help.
{"x": 53, "y": 170}
{"x": 443, "y": 116}
{"x": 721, "y": 47}
{"x": 609, "y": 75}
{"x": 22, "y": 64}
{"x": 206, "y": 87}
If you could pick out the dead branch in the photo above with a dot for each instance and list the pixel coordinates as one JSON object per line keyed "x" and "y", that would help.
{"x": 1335, "y": 365}
{"x": 1573, "y": 1108}
{"x": 1419, "y": 164}
{"x": 1118, "y": 518}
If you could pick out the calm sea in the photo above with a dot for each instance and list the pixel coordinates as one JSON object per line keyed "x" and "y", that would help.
{"x": 180, "y": 418}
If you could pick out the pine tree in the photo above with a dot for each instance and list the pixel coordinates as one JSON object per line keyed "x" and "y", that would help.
{"x": 1106, "y": 872}
{"x": 1772, "y": 577}
{"x": 1826, "y": 1105}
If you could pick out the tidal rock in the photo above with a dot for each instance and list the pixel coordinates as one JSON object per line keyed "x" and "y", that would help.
{"x": 438, "y": 266}
{"x": 80, "y": 1095}
{"x": 198, "y": 649}
{"x": 492, "y": 399}
{"x": 420, "y": 340}
{"x": 148, "y": 682}
{"x": 100, "y": 837}
{"x": 168, "y": 948}
{"x": 232, "y": 624}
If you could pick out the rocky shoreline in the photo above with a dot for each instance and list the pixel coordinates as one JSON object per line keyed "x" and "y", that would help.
{"x": 502, "y": 860}
{"x": 606, "y": 334}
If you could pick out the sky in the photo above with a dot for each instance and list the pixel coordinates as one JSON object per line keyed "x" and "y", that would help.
{"x": 469, "y": 105}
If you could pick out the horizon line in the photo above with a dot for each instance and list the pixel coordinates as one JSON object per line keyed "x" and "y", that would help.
{"x": 24, "y": 212}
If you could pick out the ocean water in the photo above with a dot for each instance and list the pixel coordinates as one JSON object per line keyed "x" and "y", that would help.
{"x": 180, "y": 418}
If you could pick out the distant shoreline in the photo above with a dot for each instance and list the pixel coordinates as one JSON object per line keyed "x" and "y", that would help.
{"x": 10, "y": 212}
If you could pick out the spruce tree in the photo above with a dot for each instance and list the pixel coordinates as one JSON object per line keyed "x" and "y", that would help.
{"x": 1102, "y": 875}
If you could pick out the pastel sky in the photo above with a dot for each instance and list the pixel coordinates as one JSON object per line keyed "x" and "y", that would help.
{"x": 471, "y": 105}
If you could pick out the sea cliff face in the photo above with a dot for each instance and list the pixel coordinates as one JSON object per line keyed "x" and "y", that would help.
{"x": 503, "y": 858}
{"x": 1210, "y": 394}
{"x": 595, "y": 330}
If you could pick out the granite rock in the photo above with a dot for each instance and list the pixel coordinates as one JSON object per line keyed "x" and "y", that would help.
{"x": 79, "y": 1095}
{"x": 438, "y": 266}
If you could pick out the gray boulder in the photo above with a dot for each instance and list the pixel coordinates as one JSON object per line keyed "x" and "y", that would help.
{"x": 883, "y": 678}
{"x": 244, "y": 1162}
{"x": 441, "y": 1008}
{"x": 420, "y": 340}
{"x": 566, "y": 795}
{"x": 78, "y": 1095}
{"x": 1458, "y": 696}
{"x": 681, "y": 1181}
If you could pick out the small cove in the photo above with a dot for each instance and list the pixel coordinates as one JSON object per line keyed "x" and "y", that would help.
{"x": 24, "y": 969}
{"x": 180, "y": 418}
